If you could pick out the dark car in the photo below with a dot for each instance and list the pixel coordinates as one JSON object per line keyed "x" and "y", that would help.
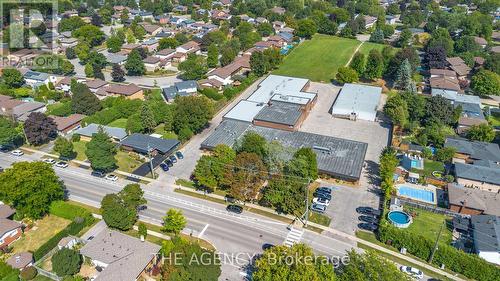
{"x": 169, "y": 163}
{"x": 323, "y": 195}
{"x": 325, "y": 189}
{"x": 366, "y": 210}
{"x": 368, "y": 226}
{"x": 164, "y": 167}
{"x": 142, "y": 207}
{"x": 99, "y": 174}
{"x": 267, "y": 246}
{"x": 234, "y": 209}
{"x": 179, "y": 155}
{"x": 318, "y": 208}
{"x": 368, "y": 219}
{"x": 172, "y": 158}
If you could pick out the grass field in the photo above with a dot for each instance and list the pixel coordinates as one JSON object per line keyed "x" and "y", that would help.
{"x": 428, "y": 224}
{"x": 429, "y": 167}
{"x": 41, "y": 232}
{"x": 368, "y": 46}
{"x": 80, "y": 148}
{"x": 319, "y": 58}
{"x": 119, "y": 123}
{"x": 125, "y": 162}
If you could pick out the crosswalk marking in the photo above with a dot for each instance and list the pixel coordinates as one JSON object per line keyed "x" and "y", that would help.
{"x": 294, "y": 236}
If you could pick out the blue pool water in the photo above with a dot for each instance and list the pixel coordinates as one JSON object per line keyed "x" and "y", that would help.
{"x": 417, "y": 194}
{"x": 399, "y": 217}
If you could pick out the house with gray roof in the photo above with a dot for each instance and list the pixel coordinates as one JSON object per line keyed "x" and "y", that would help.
{"x": 470, "y": 151}
{"x": 121, "y": 257}
{"x": 471, "y": 201}
{"x": 86, "y": 133}
{"x": 183, "y": 88}
{"x": 116, "y": 59}
{"x": 337, "y": 157}
{"x": 478, "y": 176}
{"x": 486, "y": 237}
{"x": 144, "y": 143}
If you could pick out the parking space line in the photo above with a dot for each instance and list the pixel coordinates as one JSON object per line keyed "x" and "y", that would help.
{"x": 203, "y": 231}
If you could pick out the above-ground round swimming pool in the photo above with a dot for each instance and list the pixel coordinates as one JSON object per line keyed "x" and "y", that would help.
{"x": 399, "y": 219}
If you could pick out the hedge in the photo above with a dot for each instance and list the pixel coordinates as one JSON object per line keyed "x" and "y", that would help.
{"x": 69, "y": 211}
{"x": 469, "y": 265}
{"x": 72, "y": 229}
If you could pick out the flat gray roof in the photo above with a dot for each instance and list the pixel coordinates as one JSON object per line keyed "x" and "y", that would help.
{"x": 455, "y": 97}
{"x": 244, "y": 111}
{"x": 281, "y": 113}
{"x": 276, "y": 84}
{"x": 337, "y": 157}
{"x": 91, "y": 129}
{"x": 360, "y": 99}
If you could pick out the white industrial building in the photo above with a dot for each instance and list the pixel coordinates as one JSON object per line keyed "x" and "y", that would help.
{"x": 357, "y": 101}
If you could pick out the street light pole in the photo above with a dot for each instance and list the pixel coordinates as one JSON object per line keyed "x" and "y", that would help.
{"x": 307, "y": 202}
{"x": 151, "y": 162}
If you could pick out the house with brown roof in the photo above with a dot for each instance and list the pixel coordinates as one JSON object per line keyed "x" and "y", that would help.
{"x": 240, "y": 66}
{"x": 19, "y": 110}
{"x": 68, "y": 124}
{"x": 221, "y": 15}
{"x": 96, "y": 84}
{"x": 6, "y": 211}
{"x": 445, "y": 83}
{"x": 189, "y": 48}
{"x": 152, "y": 63}
{"x": 20, "y": 260}
{"x": 480, "y": 41}
{"x": 152, "y": 29}
{"x": 278, "y": 25}
{"x": 130, "y": 91}
{"x": 127, "y": 48}
{"x": 10, "y": 231}
{"x": 458, "y": 65}
{"x": 471, "y": 201}
{"x": 165, "y": 54}
{"x": 278, "y": 10}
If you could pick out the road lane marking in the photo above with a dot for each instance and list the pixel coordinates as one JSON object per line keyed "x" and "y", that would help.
{"x": 203, "y": 231}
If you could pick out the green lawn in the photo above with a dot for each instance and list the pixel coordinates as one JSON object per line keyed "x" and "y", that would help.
{"x": 80, "y": 148}
{"x": 42, "y": 231}
{"x": 368, "y": 46}
{"x": 429, "y": 167}
{"x": 125, "y": 162}
{"x": 165, "y": 134}
{"x": 319, "y": 58}
{"x": 119, "y": 123}
{"x": 427, "y": 224}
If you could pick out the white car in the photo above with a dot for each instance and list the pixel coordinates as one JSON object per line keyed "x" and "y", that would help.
{"x": 321, "y": 201}
{"x": 17, "y": 152}
{"x": 62, "y": 164}
{"x": 49, "y": 161}
{"x": 412, "y": 271}
{"x": 111, "y": 177}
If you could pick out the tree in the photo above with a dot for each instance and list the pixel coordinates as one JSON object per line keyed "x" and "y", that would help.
{"x": 30, "y": 188}
{"x": 377, "y": 36}
{"x": 265, "y": 29}
{"x": 441, "y": 37}
{"x": 358, "y": 63}
{"x": 210, "y": 170}
{"x": 192, "y": 112}
{"x": 147, "y": 118}
{"x": 132, "y": 196}
{"x": 9, "y": 134}
{"x": 212, "y": 56}
{"x": 64, "y": 147}
{"x": 168, "y": 43}
{"x": 436, "y": 57}
{"x": 396, "y": 61}
{"x": 306, "y": 28}
{"x": 466, "y": 44}
{"x": 492, "y": 63}
{"x": 403, "y": 79}
{"x": 193, "y": 68}
{"x": 486, "y": 83}
{"x": 370, "y": 266}
{"x": 259, "y": 64}
{"x": 114, "y": 44}
{"x": 90, "y": 34}
{"x": 482, "y": 132}
{"x": 246, "y": 177}
{"x": 70, "y": 24}
{"x": 70, "y": 53}
{"x": 96, "y": 20}
{"x": 374, "y": 65}
{"x": 117, "y": 74}
{"x": 253, "y": 143}
{"x": 143, "y": 230}
{"x": 228, "y": 53}
{"x": 116, "y": 213}
{"x": 66, "y": 262}
{"x": 445, "y": 154}
{"x": 39, "y": 129}
{"x": 317, "y": 269}
{"x": 438, "y": 109}
{"x": 12, "y": 78}
{"x": 346, "y": 74}
{"x": 174, "y": 221}
{"x": 309, "y": 170}
{"x": 101, "y": 152}
{"x": 404, "y": 38}
{"x": 285, "y": 194}
{"x": 134, "y": 64}
{"x": 83, "y": 100}
{"x": 89, "y": 70}
{"x": 396, "y": 109}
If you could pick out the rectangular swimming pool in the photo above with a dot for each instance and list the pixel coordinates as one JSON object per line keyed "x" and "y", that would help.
{"x": 417, "y": 194}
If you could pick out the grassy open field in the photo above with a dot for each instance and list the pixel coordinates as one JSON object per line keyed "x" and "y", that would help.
{"x": 427, "y": 224}
{"x": 41, "y": 232}
{"x": 319, "y": 58}
{"x": 79, "y": 147}
{"x": 119, "y": 123}
{"x": 368, "y": 46}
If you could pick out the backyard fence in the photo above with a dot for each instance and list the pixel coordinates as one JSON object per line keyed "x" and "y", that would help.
{"x": 430, "y": 208}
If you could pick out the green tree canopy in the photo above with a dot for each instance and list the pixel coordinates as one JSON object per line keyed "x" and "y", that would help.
{"x": 12, "y": 78}
{"x": 486, "y": 83}
{"x": 66, "y": 262}
{"x": 370, "y": 266}
{"x": 174, "y": 221}
{"x": 134, "y": 64}
{"x": 83, "y": 101}
{"x": 246, "y": 177}
{"x": 192, "y": 112}
{"x": 132, "y": 195}
{"x": 9, "y": 134}
{"x": 396, "y": 108}
{"x": 101, "y": 152}
{"x": 403, "y": 80}
{"x": 345, "y": 74}
{"x": 116, "y": 213}
{"x": 306, "y": 28}
{"x": 482, "y": 132}
{"x": 358, "y": 63}
{"x": 253, "y": 143}
{"x": 64, "y": 147}
{"x": 374, "y": 65}
{"x": 193, "y": 68}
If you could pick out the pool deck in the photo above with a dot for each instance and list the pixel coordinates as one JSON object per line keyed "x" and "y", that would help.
{"x": 429, "y": 187}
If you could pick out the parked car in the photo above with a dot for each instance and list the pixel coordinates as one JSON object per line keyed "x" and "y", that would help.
{"x": 234, "y": 209}
{"x": 318, "y": 208}
{"x": 99, "y": 174}
{"x": 368, "y": 211}
{"x": 179, "y": 155}
{"x": 323, "y": 195}
{"x": 49, "y": 161}
{"x": 267, "y": 246}
{"x": 62, "y": 164}
{"x": 321, "y": 201}
{"x": 168, "y": 162}
{"x": 368, "y": 219}
{"x": 164, "y": 167}
{"x": 17, "y": 152}
{"x": 172, "y": 158}
{"x": 111, "y": 177}
{"x": 368, "y": 226}
{"x": 325, "y": 189}
{"x": 412, "y": 271}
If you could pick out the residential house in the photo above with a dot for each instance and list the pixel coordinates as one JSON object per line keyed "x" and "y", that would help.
{"x": 35, "y": 79}
{"x": 278, "y": 10}
{"x": 151, "y": 44}
{"x": 221, "y": 15}
{"x": 480, "y": 41}
{"x": 261, "y": 20}
{"x": 86, "y": 133}
{"x": 472, "y": 151}
{"x": 152, "y": 63}
{"x": 116, "y": 59}
{"x": 144, "y": 144}
{"x": 184, "y": 88}
{"x": 369, "y": 21}
{"x": 459, "y": 66}
{"x": 152, "y": 29}
{"x": 20, "y": 260}
{"x": 484, "y": 175}
{"x": 211, "y": 83}
{"x": 189, "y": 48}
{"x": 391, "y": 20}
{"x": 165, "y": 54}
{"x": 67, "y": 242}
{"x": 10, "y": 231}
{"x": 121, "y": 257}
{"x": 68, "y": 42}
{"x": 471, "y": 115}
{"x": 6, "y": 212}
{"x": 486, "y": 238}
{"x": 95, "y": 85}
{"x": 471, "y": 201}
{"x": 288, "y": 37}
{"x": 162, "y": 19}
{"x": 143, "y": 14}
{"x": 130, "y": 91}
{"x": 22, "y": 110}
{"x": 68, "y": 124}
{"x": 127, "y": 48}
{"x": 278, "y": 25}
{"x": 180, "y": 9}
{"x": 240, "y": 66}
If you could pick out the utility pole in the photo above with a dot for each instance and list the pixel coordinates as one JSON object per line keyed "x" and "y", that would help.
{"x": 436, "y": 244}
{"x": 151, "y": 162}
{"x": 306, "y": 215}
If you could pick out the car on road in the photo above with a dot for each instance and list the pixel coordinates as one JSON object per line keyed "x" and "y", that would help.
{"x": 168, "y": 162}
{"x": 412, "y": 271}
{"x": 318, "y": 208}
{"x": 49, "y": 161}
{"x": 267, "y": 246}
{"x": 142, "y": 207}
{"x": 321, "y": 201}
{"x": 62, "y": 164}
{"x": 179, "y": 155}
{"x": 111, "y": 177}
{"x": 17, "y": 152}
{"x": 164, "y": 167}
{"x": 172, "y": 158}
{"x": 234, "y": 209}
{"x": 368, "y": 219}
{"x": 99, "y": 174}
{"x": 368, "y": 226}
{"x": 90, "y": 238}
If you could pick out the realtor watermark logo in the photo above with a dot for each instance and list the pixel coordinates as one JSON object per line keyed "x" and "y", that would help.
{"x": 28, "y": 29}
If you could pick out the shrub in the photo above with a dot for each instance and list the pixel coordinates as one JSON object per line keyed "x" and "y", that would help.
{"x": 6, "y": 271}
{"x": 212, "y": 94}
{"x": 66, "y": 262}
{"x": 75, "y": 138}
{"x": 72, "y": 229}
{"x": 28, "y": 273}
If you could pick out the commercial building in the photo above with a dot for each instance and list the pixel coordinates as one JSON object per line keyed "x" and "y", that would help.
{"x": 357, "y": 102}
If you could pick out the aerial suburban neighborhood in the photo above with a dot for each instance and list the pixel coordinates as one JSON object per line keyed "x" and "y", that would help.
{"x": 249, "y": 140}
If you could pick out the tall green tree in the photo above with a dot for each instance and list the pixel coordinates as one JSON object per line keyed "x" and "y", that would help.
{"x": 286, "y": 194}
{"x": 147, "y": 118}
{"x": 253, "y": 143}
{"x": 134, "y": 64}
{"x": 192, "y": 112}
{"x": 30, "y": 188}
{"x": 132, "y": 196}
{"x": 374, "y": 65}
{"x": 66, "y": 262}
{"x": 117, "y": 73}
{"x": 404, "y": 79}
{"x": 345, "y": 74}
{"x": 193, "y": 68}
{"x": 64, "y": 147}
{"x": 358, "y": 63}
{"x": 246, "y": 177}
{"x": 396, "y": 109}
{"x": 259, "y": 63}
{"x": 101, "y": 152}
{"x": 210, "y": 169}
{"x": 116, "y": 213}
{"x": 12, "y": 78}
{"x": 486, "y": 83}
{"x": 482, "y": 132}
{"x": 39, "y": 128}
{"x": 174, "y": 221}
{"x": 212, "y": 56}
{"x": 306, "y": 28}
{"x": 83, "y": 101}
{"x": 377, "y": 36}
{"x": 9, "y": 134}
